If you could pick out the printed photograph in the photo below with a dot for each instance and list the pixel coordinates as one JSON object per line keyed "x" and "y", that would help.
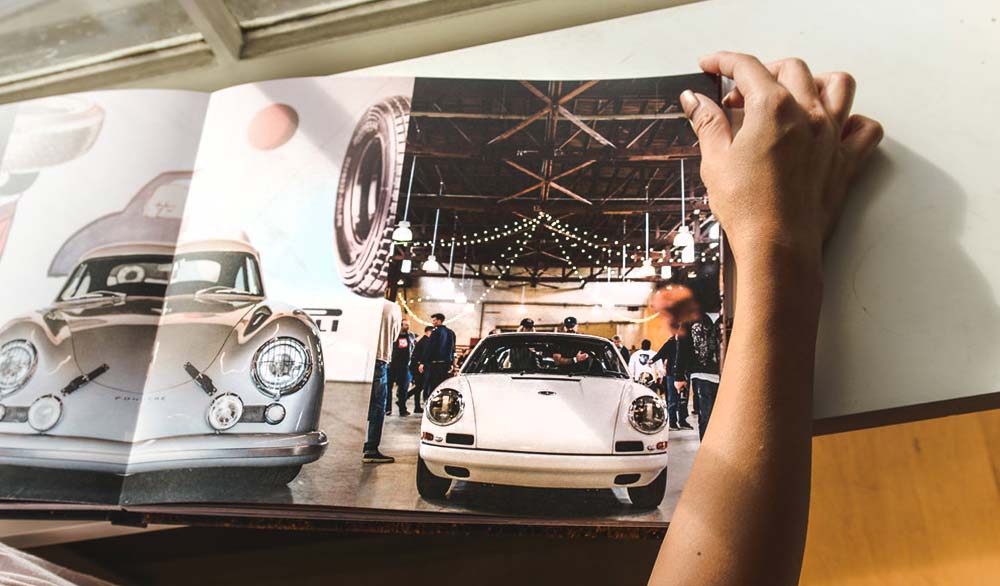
{"x": 471, "y": 297}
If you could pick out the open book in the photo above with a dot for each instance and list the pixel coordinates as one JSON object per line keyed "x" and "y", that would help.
{"x": 192, "y": 287}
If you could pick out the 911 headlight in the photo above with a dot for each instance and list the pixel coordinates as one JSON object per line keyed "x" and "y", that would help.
{"x": 281, "y": 366}
{"x": 45, "y": 413}
{"x": 225, "y": 411}
{"x": 648, "y": 414}
{"x": 445, "y": 406}
{"x": 18, "y": 359}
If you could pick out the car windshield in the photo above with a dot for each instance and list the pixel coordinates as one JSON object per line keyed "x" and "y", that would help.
{"x": 545, "y": 354}
{"x": 234, "y": 273}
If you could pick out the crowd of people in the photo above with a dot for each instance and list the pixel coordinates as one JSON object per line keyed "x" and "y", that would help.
{"x": 685, "y": 370}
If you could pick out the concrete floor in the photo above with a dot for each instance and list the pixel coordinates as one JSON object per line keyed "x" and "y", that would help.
{"x": 340, "y": 479}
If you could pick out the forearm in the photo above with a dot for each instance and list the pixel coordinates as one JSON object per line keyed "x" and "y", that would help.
{"x": 745, "y": 506}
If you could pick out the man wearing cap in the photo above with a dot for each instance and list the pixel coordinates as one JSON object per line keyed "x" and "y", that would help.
{"x": 570, "y": 325}
{"x": 527, "y": 325}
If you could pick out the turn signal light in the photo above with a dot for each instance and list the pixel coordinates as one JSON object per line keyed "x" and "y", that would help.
{"x": 661, "y": 445}
{"x": 427, "y": 436}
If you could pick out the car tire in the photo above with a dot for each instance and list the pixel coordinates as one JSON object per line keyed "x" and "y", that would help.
{"x": 279, "y": 475}
{"x": 651, "y": 495}
{"x": 428, "y": 485}
{"x": 368, "y": 196}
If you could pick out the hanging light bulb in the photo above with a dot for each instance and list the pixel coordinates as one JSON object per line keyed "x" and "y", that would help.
{"x": 684, "y": 237}
{"x": 403, "y": 234}
{"x": 714, "y": 232}
{"x": 406, "y": 266}
{"x": 666, "y": 271}
{"x": 431, "y": 265}
{"x": 646, "y": 270}
{"x": 687, "y": 254}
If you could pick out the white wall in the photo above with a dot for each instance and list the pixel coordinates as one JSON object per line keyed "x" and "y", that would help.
{"x": 627, "y": 301}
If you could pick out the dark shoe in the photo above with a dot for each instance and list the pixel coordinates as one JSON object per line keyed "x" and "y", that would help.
{"x": 388, "y": 411}
{"x": 403, "y": 412}
{"x": 418, "y": 410}
{"x": 674, "y": 428}
{"x": 686, "y": 426}
{"x": 377, "y": 458}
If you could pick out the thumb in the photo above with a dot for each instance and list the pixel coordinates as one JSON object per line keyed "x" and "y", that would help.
{"x": 709, "y": 122}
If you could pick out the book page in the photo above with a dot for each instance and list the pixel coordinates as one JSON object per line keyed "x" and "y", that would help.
{"x": 302, "y": 301}
{"x": 92, "y": 190}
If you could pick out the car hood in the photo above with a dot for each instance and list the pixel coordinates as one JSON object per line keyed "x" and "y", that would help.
{"x": 546, "y": 414}
{"x": 146, "y": 342}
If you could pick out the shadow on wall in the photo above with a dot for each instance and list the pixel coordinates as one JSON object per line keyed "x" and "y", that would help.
{"x": 908, "y": 317}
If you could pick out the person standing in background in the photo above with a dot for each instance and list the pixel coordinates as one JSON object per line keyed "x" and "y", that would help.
{"x": 617, "y": 341}
{"x": 698, "y": 361}
{"x": 677, "y": 410}
{"x": 642, "y": 362}
{"x": 440, "y": 355}
{"x": 399, "y": 369}
{"x": 387, "y": 333}
{"x": 419, "y": 349}
{"x": 527, "y": 325}
{"x": 570, "y": 325}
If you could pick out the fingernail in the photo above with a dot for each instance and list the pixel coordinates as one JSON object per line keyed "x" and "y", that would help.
{"x": 688, "y": 101}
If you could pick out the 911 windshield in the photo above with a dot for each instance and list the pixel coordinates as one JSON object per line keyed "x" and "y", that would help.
{"x": 558, "y": 355}
{"x": 162, "y": 276}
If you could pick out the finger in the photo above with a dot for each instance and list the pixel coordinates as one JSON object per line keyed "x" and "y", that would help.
{"x": 794, "y": 74}
{"x": 748, "y": 73}
{"x": 734, "y": 99}
{"x": 860, "y": 137}
{"x": 836, "y": 91}
{"x": 709, "y": 122}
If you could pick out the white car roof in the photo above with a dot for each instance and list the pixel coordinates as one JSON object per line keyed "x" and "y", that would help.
{"x": 554, "y": 334}
{"x": 163, "y": 248}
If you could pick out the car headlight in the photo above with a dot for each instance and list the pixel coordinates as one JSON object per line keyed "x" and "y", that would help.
{"x": 281, "y": 366}
{"x": 45, "y": 413}
{"x": 648, "y": 414}
{"x": 18, "y": 359}
{"x": 445, "y": 406}
{"x": 225, "y": 411}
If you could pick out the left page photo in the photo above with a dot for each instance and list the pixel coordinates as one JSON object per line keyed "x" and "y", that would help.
{"x": 92, "y": 192}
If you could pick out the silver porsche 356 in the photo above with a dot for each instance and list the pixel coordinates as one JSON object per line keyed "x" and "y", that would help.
{"x": 156, "y": 358}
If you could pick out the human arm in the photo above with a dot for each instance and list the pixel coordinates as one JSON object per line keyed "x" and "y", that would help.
{"x": 777, "y": 188}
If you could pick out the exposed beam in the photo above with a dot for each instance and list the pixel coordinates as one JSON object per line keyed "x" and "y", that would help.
{"x": 671, "y": 153}
{"x": 587, "y": 117}
{"x": 218, "y": 26}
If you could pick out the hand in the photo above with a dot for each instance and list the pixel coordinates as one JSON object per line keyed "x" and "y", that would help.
{"x": 680, "y": 386}
{"x": 420, "y": 368}
{"x": 581, "y": 356}
{"x": 780, "y": 183}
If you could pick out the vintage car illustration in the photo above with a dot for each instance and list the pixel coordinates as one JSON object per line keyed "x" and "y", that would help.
{"x": 545, "y": 410}
{"x": 368, "y": 196}
{"x": 155, "y": 357}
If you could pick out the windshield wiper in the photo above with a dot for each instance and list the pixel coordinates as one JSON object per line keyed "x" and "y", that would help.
{"x": 99, "y": 295}
{"x": 221, "y": 290}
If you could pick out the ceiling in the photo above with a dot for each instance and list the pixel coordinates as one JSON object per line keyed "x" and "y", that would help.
{"x": 576, "y": 164}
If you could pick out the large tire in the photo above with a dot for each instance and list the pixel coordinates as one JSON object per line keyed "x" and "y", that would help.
{"x": 428, "y": 485}
{"x": 368, "y": 196}
{"x": 279, "y": 475}
{"x": 651, "y": 495}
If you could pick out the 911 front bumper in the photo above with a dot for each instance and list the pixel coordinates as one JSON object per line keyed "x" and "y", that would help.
{"x": 192, "y": 451}
{"x": 543, "y": 470}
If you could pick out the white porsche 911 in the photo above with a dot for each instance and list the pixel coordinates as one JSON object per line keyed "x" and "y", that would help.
{"x": 545, "y": 410}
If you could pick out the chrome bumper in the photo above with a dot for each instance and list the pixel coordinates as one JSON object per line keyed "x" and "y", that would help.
{"x": 191, "y": 451}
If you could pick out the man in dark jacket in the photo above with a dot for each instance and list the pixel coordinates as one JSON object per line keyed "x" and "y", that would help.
{"x": 677, "y": 398}
{"x": 698, "y": 360}
{"x": 398, "y": 373}
{"x": 419, "y": 349}
{"x": 440, "y": 355}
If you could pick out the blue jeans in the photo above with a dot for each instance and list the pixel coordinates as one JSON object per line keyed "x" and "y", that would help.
{"x": 677, "y": 408}
{"x": 398, "y": 376}
{"x": 706, "y": 392}
{"x": 376, "y": 408}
